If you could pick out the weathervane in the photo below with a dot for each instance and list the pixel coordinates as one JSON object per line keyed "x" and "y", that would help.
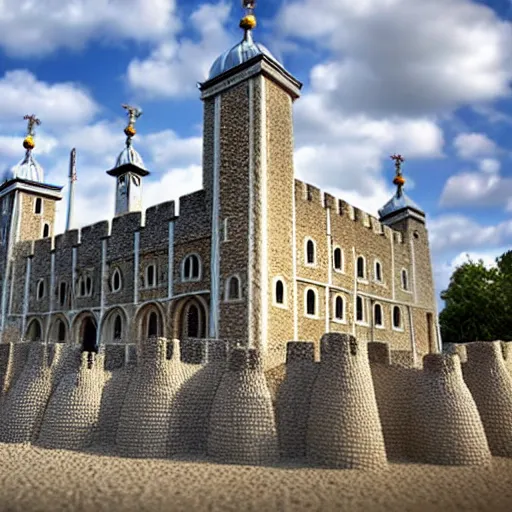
{"x": 399, "y": 180}
{"x": 28, "y": 142}
{"x": 248, "y": 22}
{"x": 133, "y": 114}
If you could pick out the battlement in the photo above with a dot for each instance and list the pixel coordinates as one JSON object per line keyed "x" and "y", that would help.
{"x": 309, "y": 194}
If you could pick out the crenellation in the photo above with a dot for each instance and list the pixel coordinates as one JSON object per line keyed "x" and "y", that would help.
{"x": 120, "y": 243}
{"x": 300, "y": 190}
{"x": 67, "y": 240}
{"x": 194, "y": 221}
{"x": 329, "y": 201}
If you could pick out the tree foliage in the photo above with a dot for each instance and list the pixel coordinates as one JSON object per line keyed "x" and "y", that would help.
{"x": 478, "y": 302}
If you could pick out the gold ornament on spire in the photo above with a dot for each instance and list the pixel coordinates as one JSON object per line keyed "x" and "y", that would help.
{"x": 133, "y": 114}
{"x": 399, "y": 180}
{"x": 248, "y": 22}
{"x": 28, "y": 142}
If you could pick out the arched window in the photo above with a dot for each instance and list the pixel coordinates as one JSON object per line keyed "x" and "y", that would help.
{"x": 116, "y": 280}
{"x": 310, "y": 252}
{"x": 118, "y": 327}
{"x": 150, "y": 276}
{"x": 233, "y": 288}
{"x": 89, "y": 286}
{"x": 279, "y": 292}
{"x": 337, "y": 259}
{"x": 34, "y": 332}
{"x": 61, "y": 331}
{"x": 378, "y": 271}
{"x": 397, "y": 318}
{"x": 38, "y": 206}
{"x": 361, "y": 271}
{"x": 339, "y": 308}
{"x": 377, "y": 315}
{"x": 46, "y": 230}
{"x": 81, "y": 287}
{"x": 152, "y": 325}
{"x": 311, "y": 302}
{"x": 40, "y": 289}
{"x": 359, "y": 309}
{"x": 405, "y": 280}
{"x": 191, "y": 270}
{"x": 62, "y": 294}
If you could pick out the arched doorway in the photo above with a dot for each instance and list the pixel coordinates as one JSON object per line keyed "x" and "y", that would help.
{"x": 34, "y": 331}
{"x": 150, "y": 322}
{"x": 88, "y": 335}
{"x": 192, "y": 320}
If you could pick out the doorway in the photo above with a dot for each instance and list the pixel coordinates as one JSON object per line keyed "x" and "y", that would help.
{"x": 89, "y": 335}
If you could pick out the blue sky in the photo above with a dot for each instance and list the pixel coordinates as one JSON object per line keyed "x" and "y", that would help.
{"x": 429, "y": 80}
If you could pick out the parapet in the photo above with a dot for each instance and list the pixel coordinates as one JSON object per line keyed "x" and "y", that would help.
{"x": 202, "y": 351}
{"x": 161, "y": 213}
{"x": 43, "y": 247}
{"x": 67, "y": 240}
{"x": 89, "y": 235}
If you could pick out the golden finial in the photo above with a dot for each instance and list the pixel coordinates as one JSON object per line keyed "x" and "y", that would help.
{"x": 28, "y": 142}
{"x": 133, "y": 114}
{"x": 399, "y": 180}
{"x": 248, "y": 22}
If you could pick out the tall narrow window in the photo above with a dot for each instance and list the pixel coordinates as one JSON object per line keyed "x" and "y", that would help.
{"x": 191, "y": 269}
{"x": 61, "y": 331}
{"x": 38, "y": 206}
{"x": 359, "y": 309}
{"x": 46, "y": 230}
{"x": 311, "y": 303}
{"x": 116, "y": 280}
{"x": 378, "y": 271}
{"x": 118, "y": 328}
{"x": 279, "y": 292}
{"x": 361, "y": 271}
{"x": 89, "y": 286}
{"x": 397, "y": 317}
{"x": 152, "y": 325}
{"x": 150, "y": 276}
{"x": 62, "y": 294}
{"x": 40, "y": 289}
{"x": 377, "y": 315}
{"x": 338, "y": 261}
{"x": 310, "y": 252}
{"x": 405, "y": 281}
{"x": 338, "y": 308}
{"x": 233, "y": 288}
{"x": 82, "y": 286}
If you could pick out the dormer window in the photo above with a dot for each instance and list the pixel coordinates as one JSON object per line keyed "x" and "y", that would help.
{"x": 191, "y": 268}
{"x": 38, "y": 206}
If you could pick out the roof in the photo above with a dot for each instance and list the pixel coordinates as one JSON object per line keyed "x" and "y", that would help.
{"x": 242, "y": 52}
{"x": 27, "y": 169}
{"x": 129, "y": 156}
{"x": 400, "y": 201}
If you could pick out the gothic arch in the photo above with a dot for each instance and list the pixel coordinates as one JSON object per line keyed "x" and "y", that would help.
{"x": 109, "y": 325}
{"x": 34, "y": 331}
{"x": 58, "y": 331}
{"x": 84, "y": 331}
{"x": 190, "y": 314}
{"x": 149, "y": 322}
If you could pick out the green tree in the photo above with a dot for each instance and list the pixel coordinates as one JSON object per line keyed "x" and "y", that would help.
{"x": 477, "y": 302}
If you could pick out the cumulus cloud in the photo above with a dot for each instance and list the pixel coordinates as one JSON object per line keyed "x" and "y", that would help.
{"x": 474, "y": 145}
{"x": 29, "y": 28}
{"x": 175, "y": 66}
{"x": 405, "y": 57}
{"x": 61, "y": 103}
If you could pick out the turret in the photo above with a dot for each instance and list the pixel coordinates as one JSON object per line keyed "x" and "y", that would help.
{"x": 129, "y": 170}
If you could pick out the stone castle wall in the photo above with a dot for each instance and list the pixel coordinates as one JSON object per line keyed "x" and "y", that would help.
{"x": 351, "y": 409}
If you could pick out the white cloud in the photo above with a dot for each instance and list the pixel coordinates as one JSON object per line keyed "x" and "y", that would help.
{"x": 168, "y": 148}
{"x": 62, "y": 103}
{"x": 474, "y": 145}
{"x": 29, "y": 28}
{"x": 405, "y": 57}
{"x": 175, "y": 66}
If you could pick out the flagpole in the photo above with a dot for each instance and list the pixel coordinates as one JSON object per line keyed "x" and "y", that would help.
{"x": 72, "y": 179}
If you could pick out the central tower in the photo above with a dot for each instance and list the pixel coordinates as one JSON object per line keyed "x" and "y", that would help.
{"x": 248, "y": 180}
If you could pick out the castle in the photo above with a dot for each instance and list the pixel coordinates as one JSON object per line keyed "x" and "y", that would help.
{"x": 256, "y": 256}
{"x": 166, "y": 339}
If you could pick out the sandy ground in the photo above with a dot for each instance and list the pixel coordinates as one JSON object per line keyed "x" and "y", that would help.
{"x": 33, "y": 479}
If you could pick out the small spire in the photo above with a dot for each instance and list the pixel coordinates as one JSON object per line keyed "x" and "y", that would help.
{"x": 248, "y": 22}
{"x": 399, "y": 180}
{"x": 133, "y": 114}
{"x": 28, "y": 142}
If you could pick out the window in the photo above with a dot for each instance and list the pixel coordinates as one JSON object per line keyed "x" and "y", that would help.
{"x": 81, "y": 287}
{"x": 34, "y": 332}
{"x": 339, "y": 307}
{"x": 191, "y": 269}
{"x": 378, "y": 271}
{"x": 115, "y": 282}
{"x": 310, "y": 252}
{"x": 311, "y": 303}
{"x": 377, "y": 315}
{"x": 118, "y": 328}
{"x": 85, "y": 286}
{"x": 150, "y": 276}
{"x": 338, "y": 259}
{"x": 135, "y": 180}
{"x": 46, "y": 230}
{"x": 361, "y": 271}
{"x": 359, "y": 309}
{"x": 397, "y": 318}
{"x": 61, "y": 331}
{"x": 152, "y": 325}
{"x": 233, "y": 288}
{"x": 38, "y": 206}
{"x": 279, "y": 292}
{"x": 88, "y": 286}
{"x": 62, "y": 294}
{"x": 40, "y": 289}
{"x": 405, "y": 280}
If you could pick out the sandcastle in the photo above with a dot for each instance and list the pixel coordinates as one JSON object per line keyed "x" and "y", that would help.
{"x": 210, "y": 400}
